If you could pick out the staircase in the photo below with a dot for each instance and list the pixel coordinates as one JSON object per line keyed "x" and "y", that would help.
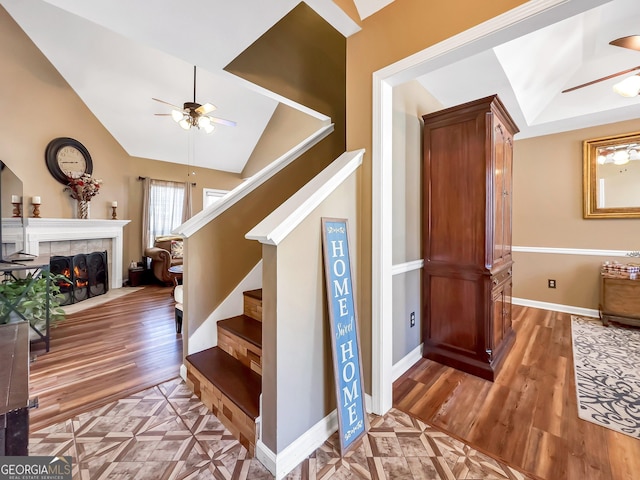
{"x": 228, "y": 378}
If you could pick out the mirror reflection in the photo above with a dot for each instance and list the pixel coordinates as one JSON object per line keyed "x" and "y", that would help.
{"x": 612, "y": 176}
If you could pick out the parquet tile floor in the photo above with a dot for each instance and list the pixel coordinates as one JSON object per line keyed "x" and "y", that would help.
{"x": 165, "y": 432}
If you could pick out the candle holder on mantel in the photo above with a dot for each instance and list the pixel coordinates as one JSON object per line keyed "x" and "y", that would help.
{"x": 36, "y": 210}
{"x": 114, "y": 214}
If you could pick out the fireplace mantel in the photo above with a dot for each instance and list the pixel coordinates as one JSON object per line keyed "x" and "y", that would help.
{"x": 60, "y": 229}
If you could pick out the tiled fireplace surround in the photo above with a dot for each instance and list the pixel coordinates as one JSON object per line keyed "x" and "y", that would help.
{"x": 60, "y": 236}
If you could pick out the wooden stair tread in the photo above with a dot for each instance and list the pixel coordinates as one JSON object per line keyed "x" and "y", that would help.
{"x": 238, "y": 382}
{"x": 257, "y": 294}
{"x": 244, "y": 327}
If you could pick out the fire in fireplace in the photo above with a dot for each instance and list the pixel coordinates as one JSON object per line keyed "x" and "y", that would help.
{"x": 86, "y": 276}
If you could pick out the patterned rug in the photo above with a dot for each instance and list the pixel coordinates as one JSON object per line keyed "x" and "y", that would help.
{"x": 607, "y": 369}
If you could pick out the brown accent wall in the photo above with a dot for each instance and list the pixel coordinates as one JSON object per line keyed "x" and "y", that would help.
{"x": 395, "y": 32}
{"x": 303, "y": 58}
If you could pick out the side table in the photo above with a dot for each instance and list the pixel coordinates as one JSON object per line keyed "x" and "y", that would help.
{"x": 135, "y": 276}
{"x": 176, "y": 273}
{"x": 620, "y": 300}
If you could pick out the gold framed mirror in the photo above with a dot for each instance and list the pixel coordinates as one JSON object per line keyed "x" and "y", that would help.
{"x": 611, "y": 176}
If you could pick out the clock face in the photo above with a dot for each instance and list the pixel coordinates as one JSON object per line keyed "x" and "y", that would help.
{"x": 66, "y": 157}
{"x": 71, "y": 161}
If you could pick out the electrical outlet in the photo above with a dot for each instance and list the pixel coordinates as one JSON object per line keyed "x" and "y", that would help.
{"x": 552, "y": 283}
{"x": 412, "y": 319}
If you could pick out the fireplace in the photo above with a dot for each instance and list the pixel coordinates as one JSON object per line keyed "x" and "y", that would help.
{"x": 86, "y": 276}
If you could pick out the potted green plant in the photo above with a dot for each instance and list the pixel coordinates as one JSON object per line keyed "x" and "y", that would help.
{"x": 26, "y": 299}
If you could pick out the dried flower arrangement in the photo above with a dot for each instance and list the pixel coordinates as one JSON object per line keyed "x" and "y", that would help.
{"x": 83, "y": 187}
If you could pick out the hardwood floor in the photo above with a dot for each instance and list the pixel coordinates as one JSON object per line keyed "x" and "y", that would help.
{"x": 105, "y": 353}
{"x": 528, "y": 416}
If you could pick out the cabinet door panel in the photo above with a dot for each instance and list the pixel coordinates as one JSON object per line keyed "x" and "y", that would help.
{"x": 497, "y": 333}
{"x": 453, "y": 316}
{"x": 455, "y": 195}
{"x": 501, "y": 194}
{"x": 507, "y": 321}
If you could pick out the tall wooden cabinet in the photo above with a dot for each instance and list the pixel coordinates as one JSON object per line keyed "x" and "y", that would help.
{"x": 466, "y": 236}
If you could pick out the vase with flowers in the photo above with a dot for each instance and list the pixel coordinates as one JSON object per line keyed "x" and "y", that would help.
{"x": 82, "y": 189}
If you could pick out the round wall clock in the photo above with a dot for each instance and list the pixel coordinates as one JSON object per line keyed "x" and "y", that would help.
{"x": 66, "y": 157}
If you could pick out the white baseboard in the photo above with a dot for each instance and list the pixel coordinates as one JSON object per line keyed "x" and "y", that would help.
{"x": 282, "y": 463}
{"x": 406, "y": 362}
{"x": 557, "y": 307}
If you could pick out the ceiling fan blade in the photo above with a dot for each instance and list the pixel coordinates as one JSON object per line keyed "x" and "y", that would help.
{"x": 162, "y": 114}
{"x": 632, "y": 42}
{"x": 206, "y": 108}
{"x": 222, "y": 121}
{"x": 613, "y": 75}
{"x": 167, "y": 103}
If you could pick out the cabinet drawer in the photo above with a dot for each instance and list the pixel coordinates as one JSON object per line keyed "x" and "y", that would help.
{"x": 501, "y": 277}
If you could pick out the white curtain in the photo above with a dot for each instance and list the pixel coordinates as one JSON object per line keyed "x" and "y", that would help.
{"x": 166, "y": 205}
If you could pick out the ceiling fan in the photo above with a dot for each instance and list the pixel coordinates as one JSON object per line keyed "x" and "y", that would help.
{"x": 629, "y": 87}
{"x": 193, "y": 114}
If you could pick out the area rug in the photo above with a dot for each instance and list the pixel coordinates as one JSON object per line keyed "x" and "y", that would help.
{"x": 99, "y": 300}
{"x": 607, "y": 371}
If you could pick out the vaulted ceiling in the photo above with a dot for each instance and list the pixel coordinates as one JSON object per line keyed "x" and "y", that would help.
{"x": 531, "y": 72}
{"x": 120, "y": 54}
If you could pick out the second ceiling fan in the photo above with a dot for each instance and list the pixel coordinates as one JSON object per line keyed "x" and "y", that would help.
{"x": 193, "y": 114}
{"x": 632, "y": 42}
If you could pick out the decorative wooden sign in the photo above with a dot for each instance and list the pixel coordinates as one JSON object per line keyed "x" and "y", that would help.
{"x": 345, "y": 338}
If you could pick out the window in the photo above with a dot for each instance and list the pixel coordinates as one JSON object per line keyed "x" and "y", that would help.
{"x": 211, "y": 195}
{"x": 167, "y": 205}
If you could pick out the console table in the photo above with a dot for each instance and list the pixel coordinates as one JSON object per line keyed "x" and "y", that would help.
{"x": 14, "y": 389}
{"x": 619, "y": 300}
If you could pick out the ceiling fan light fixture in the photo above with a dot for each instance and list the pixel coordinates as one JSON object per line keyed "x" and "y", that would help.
{"x": 177, "y": 115}
{"x": 205, "y": 124}
{"x": 629, "y": 87}
{"x": 184, "y": 123}
{"x": 621, "y": 157}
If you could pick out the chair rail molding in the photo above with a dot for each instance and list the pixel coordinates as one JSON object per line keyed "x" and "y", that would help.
{"x": 592, "y": 252}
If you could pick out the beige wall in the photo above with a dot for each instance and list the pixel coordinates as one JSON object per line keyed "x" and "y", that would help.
{"x": 37, "y": 106}
{"x": 547, "y": 212}
{"x": 397, "y": 31}
{"x": 302, "y": 336}
{"x": 410, "y": 102}
{"x": 286, "y": 129}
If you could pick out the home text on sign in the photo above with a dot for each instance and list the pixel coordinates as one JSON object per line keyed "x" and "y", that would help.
{"x": 344, "y": 329}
